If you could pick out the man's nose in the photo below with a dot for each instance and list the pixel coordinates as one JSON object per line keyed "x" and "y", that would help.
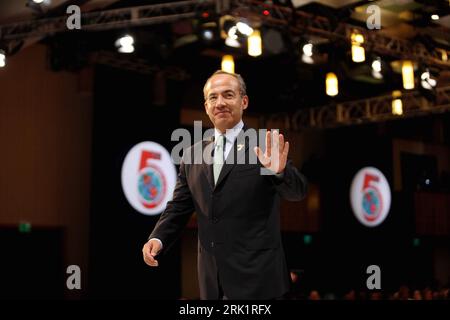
{"x": 220, "y": 101}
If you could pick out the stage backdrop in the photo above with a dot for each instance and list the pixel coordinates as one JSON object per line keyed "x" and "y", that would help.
{"x": 127, "y": 111}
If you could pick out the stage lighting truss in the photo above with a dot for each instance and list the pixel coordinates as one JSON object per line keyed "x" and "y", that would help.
{"x": 363, "y": 111}
{"x": 297, "y": 22}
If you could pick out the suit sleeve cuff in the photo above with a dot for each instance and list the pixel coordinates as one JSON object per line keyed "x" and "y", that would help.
{"x": 160, "y": 242}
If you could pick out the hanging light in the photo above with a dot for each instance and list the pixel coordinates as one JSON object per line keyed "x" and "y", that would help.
{"x": 255, "y": 44}
{"x": 358, "y": 54}
{"x": 308, "y": 53}
{"x": 228, "y": 63}
{"x": 408, "y": 74}
{"x": 397, "y": 105}
{"x": 331, "y": 84}
{"x": 444, "y": 55}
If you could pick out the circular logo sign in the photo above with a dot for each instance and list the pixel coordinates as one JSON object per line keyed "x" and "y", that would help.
{"x": 148, "y": 177}
{"x": 370, "y": 196}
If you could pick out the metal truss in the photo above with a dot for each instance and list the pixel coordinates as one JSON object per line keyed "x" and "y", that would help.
{"x": 301, "y": 23}
{"x": 109, "y": 19}
{"x": 296, "y": 21}
{"x": 375, "y": 109}
{"x": 142, "y": 66}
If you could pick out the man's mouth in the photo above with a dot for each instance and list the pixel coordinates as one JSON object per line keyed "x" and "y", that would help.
{"x": 221, "y": 112}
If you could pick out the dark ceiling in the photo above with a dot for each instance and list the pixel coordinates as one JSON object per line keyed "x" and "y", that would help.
{"x": 278, "y": 79}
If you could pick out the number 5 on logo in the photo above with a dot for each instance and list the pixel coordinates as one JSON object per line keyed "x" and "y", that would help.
{"x": 372, "y": 200}
{"x": 370, "y": 196}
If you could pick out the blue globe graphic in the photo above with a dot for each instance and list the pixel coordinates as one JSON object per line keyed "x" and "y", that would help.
{"x": 371, "y": 204}
{"x": 150, "y": 185}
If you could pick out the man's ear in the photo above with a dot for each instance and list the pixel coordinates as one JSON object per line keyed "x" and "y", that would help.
{"x": 206, "y": 108}
{"x": 244, "y": 102}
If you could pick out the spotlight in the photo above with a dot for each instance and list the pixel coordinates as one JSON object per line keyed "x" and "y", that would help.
{"x": 208, "y": 34}
{"x": 41, "y": 2}
{"x": 232, "y": 42}
{"x": 232, "y": 38}
{"x": 427, "y": 81}
{"x": 38, "y": 7}
{"x": 376, "y": 68}
{"x": 308, "y": 53}
{"x": 2, "y": 58}
{"x": 208, "y": 31}
{"x": 235, "y": 31}
{"x": 125, "y": 44}
{"x": 308, "y": 49}
{"x": 376, "y": 65}
{"x": 244, "y": 28}
{"x": 434, "y": 17}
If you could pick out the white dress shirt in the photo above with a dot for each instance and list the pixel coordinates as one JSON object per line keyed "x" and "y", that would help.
{"x": 230, "y": 136}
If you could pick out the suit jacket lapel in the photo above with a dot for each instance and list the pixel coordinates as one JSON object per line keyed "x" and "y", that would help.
{"x": 207, "y": 168}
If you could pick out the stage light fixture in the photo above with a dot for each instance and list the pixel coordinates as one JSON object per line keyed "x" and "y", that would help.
{"x": 358, "y": 53}
{"x": 307, "y": 53}
{"x": 208, "y": 31}
{"x": 427, "y": 81}
{"x": 228, "y": 63}
{"x": 408, "y": 74}
{"x": 2, "y": 58}
{"x": 376, "y": 68}
{"x": 41, "y": 2}
{"x": 125, "y": 44}
{"x": 244, "y": 28}
{"x": 235, "y": 31}
{"x": 255, "y": 44}
{"x": 397, "y": 105}
{"x": 331, "y": 84}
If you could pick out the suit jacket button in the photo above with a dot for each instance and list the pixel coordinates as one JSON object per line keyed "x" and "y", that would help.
{"x": 215, "y": 220}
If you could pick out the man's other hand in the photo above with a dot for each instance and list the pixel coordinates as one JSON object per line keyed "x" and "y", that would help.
{"x": 150, "y": 250}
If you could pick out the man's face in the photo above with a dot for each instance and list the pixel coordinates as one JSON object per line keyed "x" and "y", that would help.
{"x": 224, "y": 104}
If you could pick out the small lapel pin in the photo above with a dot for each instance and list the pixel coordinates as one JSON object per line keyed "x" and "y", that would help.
{"x": 240, "y": 146}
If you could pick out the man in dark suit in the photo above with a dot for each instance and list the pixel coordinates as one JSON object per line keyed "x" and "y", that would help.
{"x": 240, "y": 254}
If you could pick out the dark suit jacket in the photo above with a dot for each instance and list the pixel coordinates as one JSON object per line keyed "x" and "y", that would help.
{"x": 238, "y": 221}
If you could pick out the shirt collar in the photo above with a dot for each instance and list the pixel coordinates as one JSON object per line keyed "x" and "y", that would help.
{"x": 230, "y": 134}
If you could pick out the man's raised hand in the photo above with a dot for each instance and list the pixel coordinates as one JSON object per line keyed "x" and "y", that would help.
{"x": 275, "y": 156}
